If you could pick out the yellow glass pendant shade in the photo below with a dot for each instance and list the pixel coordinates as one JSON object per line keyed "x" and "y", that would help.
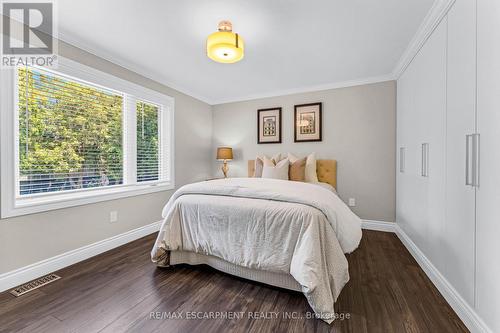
{"x": 225, "y": 46}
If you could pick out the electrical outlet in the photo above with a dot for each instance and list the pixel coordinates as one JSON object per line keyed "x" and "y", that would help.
{"x": 352, "y": 202}
{"x": 113, "y": 216}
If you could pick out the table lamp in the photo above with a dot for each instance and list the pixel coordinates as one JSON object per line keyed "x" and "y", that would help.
{"x": 224, "y": 154}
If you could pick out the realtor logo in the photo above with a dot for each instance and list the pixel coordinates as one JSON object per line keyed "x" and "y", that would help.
{"x": 28, "y": 34}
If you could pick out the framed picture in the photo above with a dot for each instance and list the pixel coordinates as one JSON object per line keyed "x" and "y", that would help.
{"x": 307, "y": 122}
{"x": 269, "y": 125}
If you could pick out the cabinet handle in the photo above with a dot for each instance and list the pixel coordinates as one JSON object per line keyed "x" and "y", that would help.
{"x": 425, "y": 160}
{"x": 475, "y": 165}
{"x": 402, "y": 159}
{"x": 468, "y": 167}
{"x": 472, "y": 160}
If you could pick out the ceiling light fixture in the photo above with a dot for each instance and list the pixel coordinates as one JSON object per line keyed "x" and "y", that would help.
{"x": 225, "y": 46}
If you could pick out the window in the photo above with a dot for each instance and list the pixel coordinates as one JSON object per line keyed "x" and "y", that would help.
{"x": 80, "y": 136}
{"x": 148, "y": 152}
{"x": 70, "y": 134}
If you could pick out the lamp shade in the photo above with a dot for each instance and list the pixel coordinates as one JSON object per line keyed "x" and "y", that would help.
{"x": 225, "y": 46}
{"x": 224, "y": 153}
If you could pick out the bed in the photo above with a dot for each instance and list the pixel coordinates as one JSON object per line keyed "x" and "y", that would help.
{"x": 291, "y": 235}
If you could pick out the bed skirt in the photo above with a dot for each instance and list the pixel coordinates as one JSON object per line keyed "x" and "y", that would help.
{"x": 280, "y": 280}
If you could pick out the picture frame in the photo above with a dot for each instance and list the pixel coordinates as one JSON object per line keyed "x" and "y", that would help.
{"x": 308, "y": 122}
{"x": 269, "y": 125}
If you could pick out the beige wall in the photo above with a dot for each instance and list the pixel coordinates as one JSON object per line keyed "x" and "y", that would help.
{"x": 27, "y": 239}
{"x": 359, "y": 130}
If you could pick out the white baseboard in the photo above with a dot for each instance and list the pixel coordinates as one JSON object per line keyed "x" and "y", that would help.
{"x": 378, "y": 225}
{"x": 33, "y": 271}
{"x": 468, "y": 315}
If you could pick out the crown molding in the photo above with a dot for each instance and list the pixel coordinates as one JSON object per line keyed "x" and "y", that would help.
{"x": 438, "y": 10}
{"x": 103, "y": 54}
{"x": 160, "y": 79}
{"x": 432, "y": 19}
{"x": 436, "y": 13}
{"x": 305, "y": 89}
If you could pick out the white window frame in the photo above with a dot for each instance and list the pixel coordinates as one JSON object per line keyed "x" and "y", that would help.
{"x": 13, "y": 204}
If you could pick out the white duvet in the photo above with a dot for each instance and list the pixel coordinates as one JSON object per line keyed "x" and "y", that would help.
{"x": 296, "y": 228}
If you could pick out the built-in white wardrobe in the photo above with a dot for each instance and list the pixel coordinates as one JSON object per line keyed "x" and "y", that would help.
{"x": 448, "y": 181}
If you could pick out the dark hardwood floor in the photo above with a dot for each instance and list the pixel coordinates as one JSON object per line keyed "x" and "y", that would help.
{"x": 121, "y": 290}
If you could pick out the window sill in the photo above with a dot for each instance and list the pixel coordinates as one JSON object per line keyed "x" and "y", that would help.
{"x": 43, "y": 203}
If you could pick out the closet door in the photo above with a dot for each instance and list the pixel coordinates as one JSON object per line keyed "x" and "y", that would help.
{"x": 406, "y": 131}
{"x": 458, "y": 244}
{"x": 488, "y": 192}
{"x": 402, "y": 150}
{"x": 432, "y": 145}
{"x": 411, "y": 213}
{"x": 422, "y": 106}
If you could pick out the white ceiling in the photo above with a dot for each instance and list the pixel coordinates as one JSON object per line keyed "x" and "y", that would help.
{"x": 291, "y": 45}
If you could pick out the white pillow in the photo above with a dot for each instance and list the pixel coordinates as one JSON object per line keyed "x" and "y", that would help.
{"x": 278, "y": 171}
{"x": 269, "y": 161}
{"x": 310, "y": 176}
{"x": 259, "y": 163}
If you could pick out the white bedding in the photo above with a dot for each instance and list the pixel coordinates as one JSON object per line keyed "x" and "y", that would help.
{"x": 326, "y": 185}
{"x": 297, "y": 228}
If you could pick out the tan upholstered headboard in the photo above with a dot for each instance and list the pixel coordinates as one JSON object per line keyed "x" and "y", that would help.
{"x": 326, "y": 170}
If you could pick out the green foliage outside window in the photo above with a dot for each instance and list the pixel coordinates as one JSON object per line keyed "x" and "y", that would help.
{"x": 147, "y": 142}
{"x": 70, "y": 134}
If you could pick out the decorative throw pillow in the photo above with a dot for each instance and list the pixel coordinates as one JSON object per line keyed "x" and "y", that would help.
{"x": 297, "y": 171}
{"x": 275, "y": 171}
{"x": 310, "y": 173}
{"x": 259, "y": 164}
{"x": 276, "y": 158}
{"x": 270, "y": 162}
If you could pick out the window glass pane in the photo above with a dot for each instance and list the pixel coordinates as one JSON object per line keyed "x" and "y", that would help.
{"x": 70, "y": 134}
{"x": 147, "y": 142}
